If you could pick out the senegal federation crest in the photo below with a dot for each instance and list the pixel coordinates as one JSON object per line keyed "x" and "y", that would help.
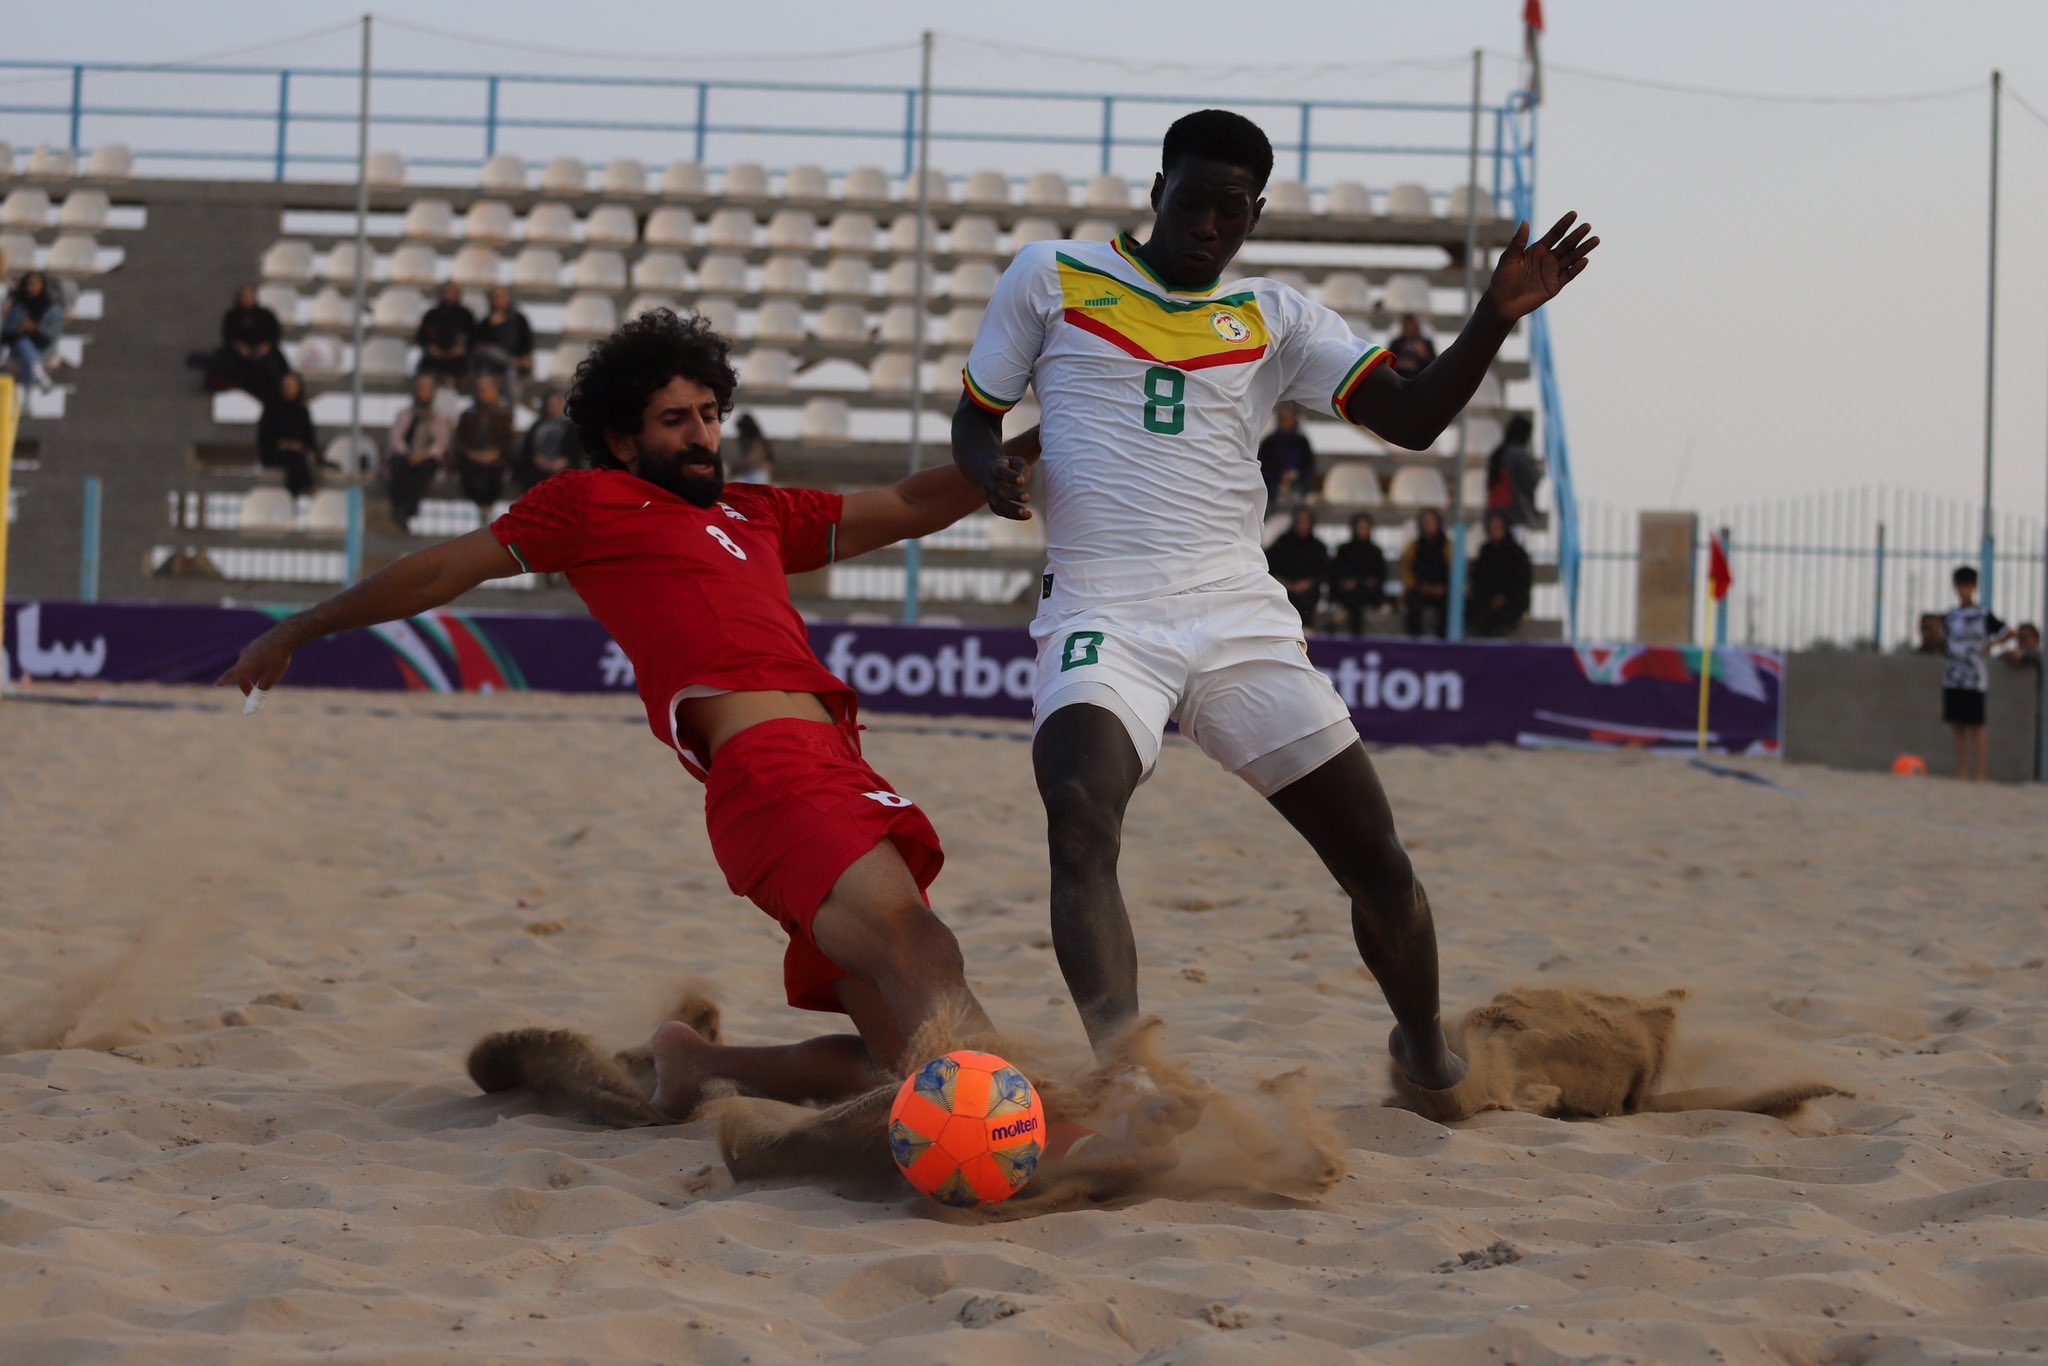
{"x": 1229, "y": 326}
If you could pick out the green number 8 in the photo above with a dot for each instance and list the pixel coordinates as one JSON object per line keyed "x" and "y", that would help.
{"x": 1165, "y": 412}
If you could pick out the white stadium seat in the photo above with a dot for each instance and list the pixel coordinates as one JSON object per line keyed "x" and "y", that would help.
{"x": 950, "y": 370}
{"x": 852, "y": 230}
{"x": 962, "y": 324}
{"x": 385, "y": 358}
{"x": 74, "y": 254}
{"x": 866, "y": 185}
{"x": 624, "y": 176}
{"x": 648, "y": 303}
{"x": 537, "y": 270}
{"x": 1348, "y": 199}
{"x": 611, "y": 225}
{"x": 1352, "y": 484}
{"x": 563, "y": 360}
{"x": 972, "y": 282}
{"x": 720, "y": 273}
{"x": 600, "y": 270}
{"x": 1288, "y": 196}
{"x": 1345, "y": 291}
{"x": 746, "y": 180}
{"x": 477, "y": 267}
{"x": 504, "y": 173}
{"x": 1489, "y": 396}
{"x": 332, "y": 311}
{"x": 684, "y": 180}
{"x": 1029, "y": 230}
{"x": 974, "y": 235}
{"x": 414, "y": 263}
{"x": 826, "y": 422}
{"x": 1410, "y": 201}
{"x": 1048, "y": 190}
{"x": 730, "y": 230}
{"x": 589, "y": 315}
{"x": 901, "y": 282}
{"x": 551, "y": 225}
{"x": 722, "y": 314}
{"x": 84, "y": 211}
{"x": 1408, "y": 294}
{"x": 670, "y": 226}
{"x": 110, "y": 161}
{"x": 661, "y": 270}
{"x": 398, "y": 309}
{"x": 1482, "y": 434}
{"x": 894, "y": 372}
{"x": 565, "y": 175}
{"x": 337, "y": 454}
{"x": 1096, "y": 230}
{"x": 17, "y": 251}
{"x": 26, "y": 206}
{"x": 786, "y": 276}
{"x": 1463, "y": 196}
{"x": 282, "y": 300}
{"x": 779, "y": 322}
{"x": 903, "y": 235}
{"x": 385, "y": 170}
{"x": 769, "y": 370}
{"x": 1293, "y": 279}
{"x": 1111, "y": 193}
{"x": 50, "y": 163}
{"x": 806, "y": 182}
{"x": 489, "y": 220}
{"x": 1418, "y": 486}
{"x": 289, "y": 261}
{"x": 340, "y": 264}
{"x": 849, "y": 277}
{"x": 328, "y": 512}
{"x": 266, "y": 509}
{"x": 792, "y": 230}
{"x": 1475, "y": 491}
{"x": 938, "y": 188}
{"x": 843, "y": 324}
{"x": 429, "y": 220}
{"x": 319, "y": 356}
{"x": 987, "y": 189}
{"x": 899, "y": 326}
{"x": 6, "y": 159}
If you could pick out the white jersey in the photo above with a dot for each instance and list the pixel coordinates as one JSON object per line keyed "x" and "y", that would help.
{"x": 1153, "y": 401}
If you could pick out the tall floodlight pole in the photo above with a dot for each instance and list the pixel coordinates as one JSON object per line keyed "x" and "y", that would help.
{"x": 1454, "y": 625}
{"x": 354, "y": 567}
{"x": 913, "y": 553}
{"x": 1990, "y": 347}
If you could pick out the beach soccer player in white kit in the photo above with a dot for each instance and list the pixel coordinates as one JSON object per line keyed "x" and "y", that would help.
{"x": 1156, "y": 374}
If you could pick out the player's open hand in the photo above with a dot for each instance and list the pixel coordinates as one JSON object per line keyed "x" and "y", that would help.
{"x": 1006, "y": 483}
{"x": 1531, "y": 274}
{"x": 261, "y": 665}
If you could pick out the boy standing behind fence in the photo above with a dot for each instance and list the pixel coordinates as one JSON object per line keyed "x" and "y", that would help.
{"x": 1971, "y": 631}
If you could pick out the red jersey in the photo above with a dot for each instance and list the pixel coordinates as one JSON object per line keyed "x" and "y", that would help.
{"x": 696, "y": 597}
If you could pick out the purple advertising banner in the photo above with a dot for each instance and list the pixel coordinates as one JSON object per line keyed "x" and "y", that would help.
{"x": 1399, "y": 691}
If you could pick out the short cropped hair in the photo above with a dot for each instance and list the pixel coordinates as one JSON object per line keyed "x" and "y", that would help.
{"x": 1965, "y": 577}
{"x": 622, "y": 372}
{"x": 1218, "y": 135}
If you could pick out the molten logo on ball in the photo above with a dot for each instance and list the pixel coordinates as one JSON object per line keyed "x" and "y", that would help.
{"x": 966, "y": 1129}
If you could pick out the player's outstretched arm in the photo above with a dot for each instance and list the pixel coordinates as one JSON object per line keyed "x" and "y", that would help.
{"x": 419, "y": 582}
{"x": 928, "y": 501}
{"x": 1414, "y": 412}
{"x": 980, "y": 453}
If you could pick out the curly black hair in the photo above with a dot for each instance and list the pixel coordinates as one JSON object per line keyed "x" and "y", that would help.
{"x": 623, "y": 371}
{"x": 1218, "y": 135}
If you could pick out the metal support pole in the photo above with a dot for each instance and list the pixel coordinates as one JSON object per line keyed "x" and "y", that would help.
{"x": 913, "y": 552}
{"x": 910, "y": 103}
{"x": 355, "y": 394}
{"x": 1108, "y": 131}
{"x": 1877, "y": 597}
{"x": 1990, "y": 345}
{"x": 491, "y": 118}
{"x": 89, "y": 543}
{"x": 1455, "y": 615}
{"x": 284, "y": 118}
{"x": 1305, "y": 108}
{"x": 703, "y": 117}
{"x": 352, "y": 546}
{"x": 77, "y": 108}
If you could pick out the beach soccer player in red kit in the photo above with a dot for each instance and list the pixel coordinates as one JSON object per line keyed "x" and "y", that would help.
{"x": 688, "y": 574}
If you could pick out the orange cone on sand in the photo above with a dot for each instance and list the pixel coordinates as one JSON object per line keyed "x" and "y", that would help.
{"x": 1910, "y": 766}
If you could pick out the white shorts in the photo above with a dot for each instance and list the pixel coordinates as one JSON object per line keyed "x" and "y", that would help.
{"x": 1226, "y": 661}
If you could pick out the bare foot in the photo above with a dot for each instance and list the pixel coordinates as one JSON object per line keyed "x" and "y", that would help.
{"x": 679, "y": 1055}
{"x": 1430, "y": 1064}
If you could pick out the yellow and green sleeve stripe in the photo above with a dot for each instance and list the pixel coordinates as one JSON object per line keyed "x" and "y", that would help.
{"x": 983, "y": 399}
{"x": 1374, "y": 357}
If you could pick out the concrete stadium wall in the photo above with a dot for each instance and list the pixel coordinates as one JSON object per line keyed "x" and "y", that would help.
{"x": 1861, "y": 711}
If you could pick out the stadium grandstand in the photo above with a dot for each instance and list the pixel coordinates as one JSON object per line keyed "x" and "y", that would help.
{"x": 810, "y": 266}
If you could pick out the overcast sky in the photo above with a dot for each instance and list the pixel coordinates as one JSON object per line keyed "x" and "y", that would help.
{"x": 1790, "y": 297}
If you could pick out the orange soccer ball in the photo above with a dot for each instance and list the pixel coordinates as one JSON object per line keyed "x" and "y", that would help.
{"x": 1910, "y": 766}
{"x": 967, "y": 1129}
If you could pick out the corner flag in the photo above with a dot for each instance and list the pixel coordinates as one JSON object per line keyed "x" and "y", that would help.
{"x": 1719, "y": 578}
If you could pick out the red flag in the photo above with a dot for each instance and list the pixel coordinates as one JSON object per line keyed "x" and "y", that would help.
{"x": 1532, "y": 29}
{"x": 1718, "y": 576}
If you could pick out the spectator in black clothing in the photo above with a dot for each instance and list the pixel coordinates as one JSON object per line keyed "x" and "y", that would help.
{"x": 1300, "y": 560}
{"x": 482, "y": 449}
{"x": 445, "y": 336}
{"x": 1286, "y": 461}
{"x": 1412, "y": 351}
{"x": 31, "y": 320}
{"x": 1933, "y": 636}
{"x": 1513, "y": 474}
{"x": 757, "y": 454}
{"x": 418, "y": 445}
{"x": 250, "y": 356}
{"x": 503, "y": 344}
{"x": 2025, "y": 651}
{"x": 1426, "y": 576}
{"x": 1358, "y": 576}
{"x": 285, "y": 439}
{"x": 1498, "y": 597}
{"x": 552, "y": 443}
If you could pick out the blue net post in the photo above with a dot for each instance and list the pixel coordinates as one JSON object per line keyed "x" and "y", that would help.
{"x": 89, "y": 543}
{"x": 1305, "y": 108}
{"x": 703, "y": 117}
{"x": 1454, "y": 610}
{"x": 491, "y": 118}
{"x": 284, "y": 120}
{"x": 352, "y": 549}
{"x": 77, "y": 105}
{"x": 1108, "y": 130}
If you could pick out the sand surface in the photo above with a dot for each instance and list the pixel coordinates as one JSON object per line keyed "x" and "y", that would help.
{"x": 241, "y": 961}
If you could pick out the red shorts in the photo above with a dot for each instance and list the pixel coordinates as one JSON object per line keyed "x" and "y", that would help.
{"x": 791, "y": 805}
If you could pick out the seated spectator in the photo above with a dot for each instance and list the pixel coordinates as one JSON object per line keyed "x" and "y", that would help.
{"x": 1411, "y": 350}
{"x": 446, "y": 333}
{"x": 30, "y": 324}
{"x": 1426, "y": 576}
{"x": 482, "y": 450}
{"x": 1933, "y": 636}
{"x": 1286, "y": 460}
{"x": 1300, "y": 560}
{"x": 552, "y": 443}
{"x": 285, "y": 439}
{"x": 503, "y": 344}
{"x": 418, "y": 445}
{"x": 2025, "y": 650}
{"x": 757, "y": 454}
{"x": 1497, "y": 598}
{"x": 250, "y": 358}
{"x": 1513, "y": 473}
{"x": 1358, "y": 576}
